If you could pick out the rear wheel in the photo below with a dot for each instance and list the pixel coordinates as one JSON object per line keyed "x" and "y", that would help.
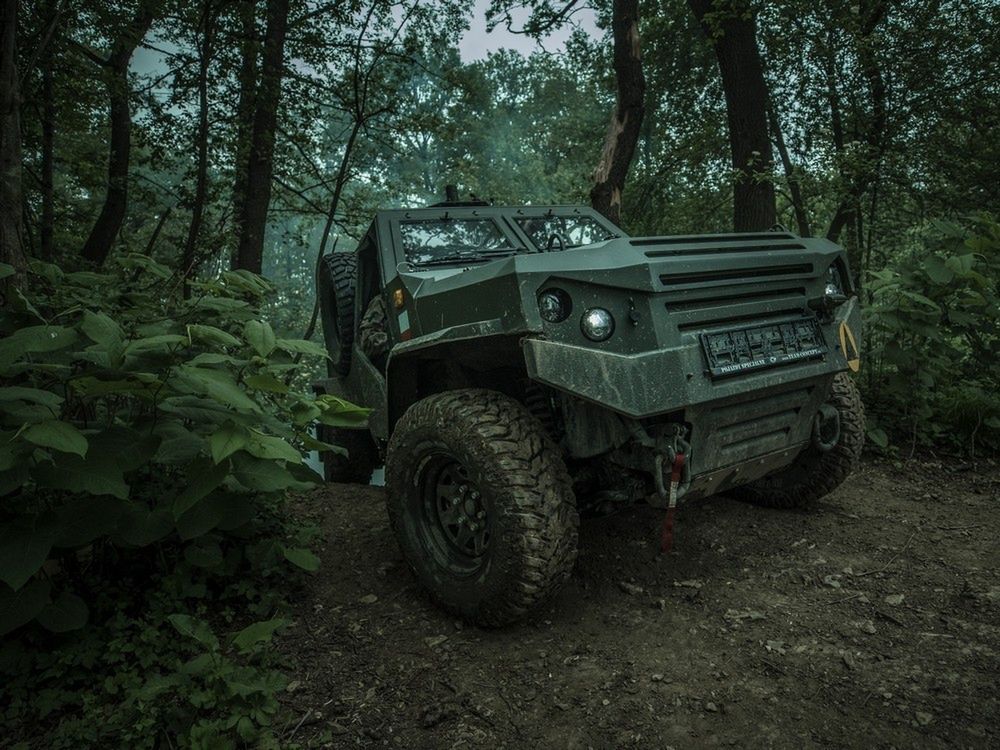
{"x": 335, "y": 286}
{"x": 824, "y": 464}
{"x": 481, "y": 504}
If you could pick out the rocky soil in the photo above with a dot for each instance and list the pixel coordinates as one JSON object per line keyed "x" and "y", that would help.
{"x": 872, "y": 620}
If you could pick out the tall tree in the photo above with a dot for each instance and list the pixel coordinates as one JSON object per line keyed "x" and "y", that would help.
{"x": 626, "y": 120}
{"x": 11, "y": 217}
{"x": 245, "y": 106}
{"x": 206, "y": 48}
{"x": 731, "y": 28}
{"x": 115, "y": 71}
{"x": 260, "y": 166}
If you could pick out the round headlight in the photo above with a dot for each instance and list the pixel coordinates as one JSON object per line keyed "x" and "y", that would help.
{"x": 597, "y": 324}
{"x": 554, "y": 305}
{"x": 834, "y": 282}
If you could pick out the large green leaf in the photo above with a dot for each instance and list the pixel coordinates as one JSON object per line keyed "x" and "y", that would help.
{"x": 98, "y": 475}
{"x": 101, "y": 329}
{"x": 25, "y": 543}
{"x": 260, "y": 336}
{"x": 33, "y": 395}
{"x": 265, "y": 381}
{"x": 18, "y": 608}
{"x": 203, "y": 476}
{"x": 163, "y": 342}
{"x": 6, "y": 269}
{"x": 33, "y": 340}
{"x": 267, "y": 446}
{"x": 223, "y": 510}
{"x": 256, "y": 634}
{"x": 212, "y": 335}
{"x": 179, "y": 445}
{"x": 301, "y": 346}
{"x": 337, "y": 412}
{"x": 68, "y": 612}
{"x": 194, "y": 628}
{"x": 219, "y": 385}
{"x": 204, "y": 553}
{"x": 61, "y": 436}
{"x": 302, "y": 558}
{"x": 264, "y": 475}
{"x": 226, "y": 440}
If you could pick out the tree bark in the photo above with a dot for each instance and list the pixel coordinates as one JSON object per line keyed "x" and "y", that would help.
{"x": 109, "y": 221}
{"x": 245, "y": 106}
{"x": 11, "y": 212}
{"x": 791, "y": 174}
{"x": 732, "y": 30}
{"x": 626, "y": 120}
{"x": 260, "y": 166}
{"x": 205, "y": 52}
{"x": 48, "y": 219}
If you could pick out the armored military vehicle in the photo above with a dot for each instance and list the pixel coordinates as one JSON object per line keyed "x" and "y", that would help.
{"x": 527, "y": 364}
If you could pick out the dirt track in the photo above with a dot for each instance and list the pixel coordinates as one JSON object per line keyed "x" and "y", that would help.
{"x": 871, "y": 621}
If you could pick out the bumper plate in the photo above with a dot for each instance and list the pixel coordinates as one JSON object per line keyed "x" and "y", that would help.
{"x": 744, "y": 349}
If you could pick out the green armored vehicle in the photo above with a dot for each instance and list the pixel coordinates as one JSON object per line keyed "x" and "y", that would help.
{"x": 528, "y": 364}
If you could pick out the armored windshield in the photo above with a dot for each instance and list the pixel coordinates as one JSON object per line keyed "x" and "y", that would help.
{"x": 426, "y": 241}
{"x": 564, "y": 231}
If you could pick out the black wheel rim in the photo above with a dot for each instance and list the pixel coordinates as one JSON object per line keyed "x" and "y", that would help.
{"x": 456, "y": 523}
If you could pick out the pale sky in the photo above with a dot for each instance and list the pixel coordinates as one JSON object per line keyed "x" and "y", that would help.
{"x": 477, "y": 44}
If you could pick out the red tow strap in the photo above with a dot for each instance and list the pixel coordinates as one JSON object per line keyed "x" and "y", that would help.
{"x": 667, "y": 535}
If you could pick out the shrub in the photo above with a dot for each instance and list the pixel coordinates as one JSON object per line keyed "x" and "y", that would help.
{"x": 146, "y": 443}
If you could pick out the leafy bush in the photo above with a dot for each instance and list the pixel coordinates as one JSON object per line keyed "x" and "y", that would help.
{"x": 146, "y": 443}
{"x": 933, "y": 326}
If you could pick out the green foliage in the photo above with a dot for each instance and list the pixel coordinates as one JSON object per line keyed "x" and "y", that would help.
{"x": 933, "y": 323}
{"x": 146, "y": 446}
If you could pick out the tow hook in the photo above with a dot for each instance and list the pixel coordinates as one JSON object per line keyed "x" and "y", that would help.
{"x": 676, "y": 472}
{"x": 826, "y": 428}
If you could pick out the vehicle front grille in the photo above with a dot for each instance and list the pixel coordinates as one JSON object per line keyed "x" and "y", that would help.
{"x": 736, "y": 274}
{"x": 755, "y": 425}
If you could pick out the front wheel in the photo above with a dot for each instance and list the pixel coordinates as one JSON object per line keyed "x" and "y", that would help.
{"x": 824, "y": 464}
{"x": 481, "y": 504}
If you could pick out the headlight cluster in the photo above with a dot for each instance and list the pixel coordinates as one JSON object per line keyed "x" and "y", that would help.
{"x": 834, "y": 281}
{"x": 556, "y": 306}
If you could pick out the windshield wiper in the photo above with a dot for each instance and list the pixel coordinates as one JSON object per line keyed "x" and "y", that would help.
{"x": 476, "y": 256}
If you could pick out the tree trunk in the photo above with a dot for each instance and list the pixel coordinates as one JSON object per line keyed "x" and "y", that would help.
{"x": 48, "y": 160}
{"x": 260, "y": 166}
{"x": 244, "y": 118}
{"x": 791, "y": 174}
{"x": 731, "y": 28}
{"x": 201, "y": 144}
{"x": 11, "y": 216}
{"x": 109, "y": 221}
{"x": 626, "y": 120}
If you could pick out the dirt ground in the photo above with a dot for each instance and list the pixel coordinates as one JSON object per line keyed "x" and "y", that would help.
{"x": 872, "y": 620}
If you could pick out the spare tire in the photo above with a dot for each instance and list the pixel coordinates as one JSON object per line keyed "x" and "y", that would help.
{"x": 335, "y": 286}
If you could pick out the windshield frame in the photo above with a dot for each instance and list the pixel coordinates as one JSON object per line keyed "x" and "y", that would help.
{"x": 504, "y": 217}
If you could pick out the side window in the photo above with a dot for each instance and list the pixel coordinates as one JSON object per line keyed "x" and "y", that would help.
{"x": 568, "y": 231}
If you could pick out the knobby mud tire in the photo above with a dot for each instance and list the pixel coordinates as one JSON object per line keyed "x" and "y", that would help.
{"x": 521, "y": 474}
{"x": 335, "y": 286}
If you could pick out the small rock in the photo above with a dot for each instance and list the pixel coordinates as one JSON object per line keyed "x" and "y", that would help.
{"x": 690, "y": 584}
{"x": 435, "y": 640}
{"x": 894, "y": 599}
{"x": 832, "y": 581}
{"x": 867, "y": 626}
{"x": 711, "y": 707}
{"x": 368, "y": 599}
{"x": 848, "y": 658}
{"x": 657, "y": 678}
{"x": 630, "y": 588}
{"x": 924, "y": 718}
{"x": 777, "y": 647}
{"x": 293, "y": 686}
{"x": 605, "y": 702}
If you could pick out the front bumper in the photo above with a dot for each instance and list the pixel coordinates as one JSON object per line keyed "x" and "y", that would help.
{"x": 667, "y": 380}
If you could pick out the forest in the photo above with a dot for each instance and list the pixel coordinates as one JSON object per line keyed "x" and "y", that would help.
{"x": 173, "y": 170}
